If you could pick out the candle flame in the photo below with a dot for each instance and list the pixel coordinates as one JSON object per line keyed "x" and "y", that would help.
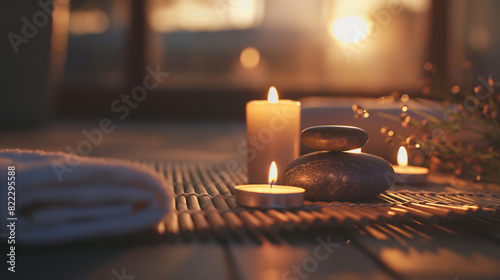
{"x": 355, "y": 151}
{"x": 273, "y": 174}
{"x": 402, "y": 156}
{"x": 272, "y": 95}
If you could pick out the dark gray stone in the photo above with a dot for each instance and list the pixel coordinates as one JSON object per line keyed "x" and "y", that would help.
{"x": 339, "y": 176}
{"x": 334, "y": 138}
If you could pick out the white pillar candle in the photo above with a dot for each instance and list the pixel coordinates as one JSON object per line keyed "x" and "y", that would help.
{"x": 273, "y": 134}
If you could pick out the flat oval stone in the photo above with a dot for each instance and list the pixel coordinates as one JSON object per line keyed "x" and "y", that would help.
{"x": 339, "y": 176}
{"x": 334, "y": 138}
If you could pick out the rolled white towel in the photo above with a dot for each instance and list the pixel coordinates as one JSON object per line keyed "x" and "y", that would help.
{"x": 62, "y": 197}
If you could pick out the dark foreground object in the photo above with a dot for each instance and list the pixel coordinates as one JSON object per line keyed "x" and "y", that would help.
{"x": 334, "y": 138}
{"x": 339, "y": 176}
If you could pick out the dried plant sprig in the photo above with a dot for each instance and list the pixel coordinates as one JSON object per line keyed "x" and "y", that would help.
{"x": 472, "y": 108}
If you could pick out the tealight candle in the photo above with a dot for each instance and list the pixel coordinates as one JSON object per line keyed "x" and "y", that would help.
{"x": 273, "y": 134}
{"x": 405, "y": 174}
{"x": 269, "y": 195}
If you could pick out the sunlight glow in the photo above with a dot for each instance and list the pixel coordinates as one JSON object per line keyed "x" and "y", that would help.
{"x": 194, "y": 15}
{"x": 349, "y": 29}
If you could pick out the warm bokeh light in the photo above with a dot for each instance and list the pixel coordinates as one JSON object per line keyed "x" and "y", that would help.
{"x": 354, "y": 151}
{"x": 160, "y": 228}
{"x": 405, "y": 97}
{"x": 250, "y": 57}
{"x": 273, "y": 174}
{"x": 350, "y": 29}
{"x": 272, "y": 95}
{"x": 402, "y": 156}
{"x": 59, "y": 44}
{"x": 194, "y": 15}
{"x": 88, "y": 22}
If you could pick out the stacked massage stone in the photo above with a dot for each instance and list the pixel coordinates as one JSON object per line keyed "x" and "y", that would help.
{"x": 332, "y": 174}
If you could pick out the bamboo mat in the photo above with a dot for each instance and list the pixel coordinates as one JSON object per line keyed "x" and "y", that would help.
{"x": 204, "y": 206}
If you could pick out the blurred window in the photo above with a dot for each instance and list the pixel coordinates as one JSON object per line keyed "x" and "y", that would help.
{"x": 97, "y": 33}
{"x": 317, "y": 47}
{"x": 326, "y": 45}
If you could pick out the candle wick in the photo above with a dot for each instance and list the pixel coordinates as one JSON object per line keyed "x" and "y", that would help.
{"x": 271, "y": 184}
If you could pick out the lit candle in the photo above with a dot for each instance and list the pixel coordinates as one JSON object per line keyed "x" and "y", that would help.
{"x": 273, "y": 133}
{"x": 405, "y": 174}
{"x": 269, "y": 195}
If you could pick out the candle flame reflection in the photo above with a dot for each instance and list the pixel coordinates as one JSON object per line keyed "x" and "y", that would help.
{"x": 402, "y": 156}
{"x": 272, "y": 95}
{"x": 273, "y": 174}
{"x": 354, "y": 151}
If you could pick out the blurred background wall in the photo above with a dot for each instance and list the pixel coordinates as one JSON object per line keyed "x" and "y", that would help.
{"x": 25, "y": 29}
{"x": 221, "y": 53}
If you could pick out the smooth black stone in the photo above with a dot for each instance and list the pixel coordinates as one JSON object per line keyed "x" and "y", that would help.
{"x": 334, "y": 138}
{"x": 339, "y": 176}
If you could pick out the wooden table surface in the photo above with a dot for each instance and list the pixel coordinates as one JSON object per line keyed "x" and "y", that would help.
{"x": 456, "y": 250}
